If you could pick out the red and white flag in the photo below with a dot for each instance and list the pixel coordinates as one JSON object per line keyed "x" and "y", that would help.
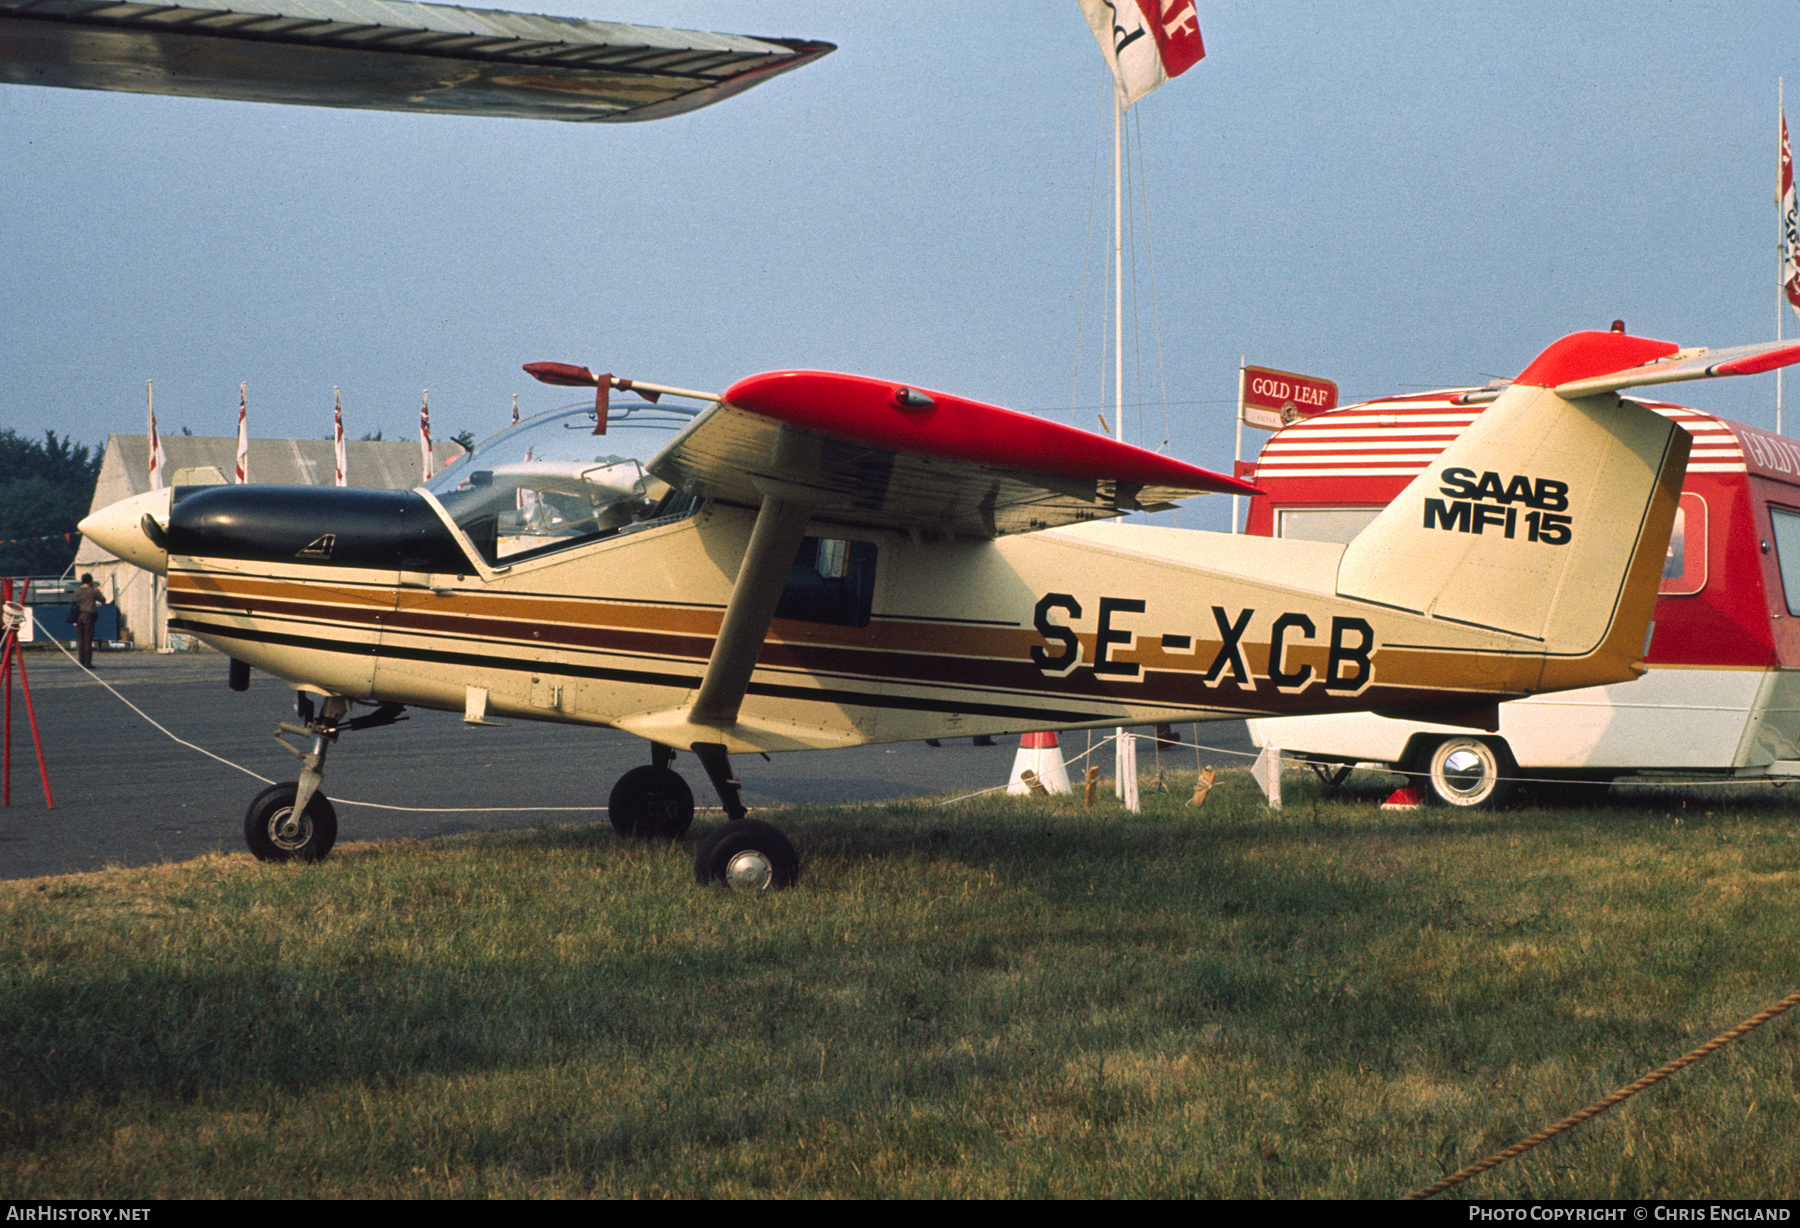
{"x": 1146, "y": 42}
{"x": 159, "y": 460}
{"x": 243, "y": 453}
{"x": 1790, "y": 223}
{"x": 337, "y": 438}
{"x": 425, "y": 432}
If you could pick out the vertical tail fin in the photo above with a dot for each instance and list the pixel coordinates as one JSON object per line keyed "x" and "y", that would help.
{"x": 1548, "y": 519}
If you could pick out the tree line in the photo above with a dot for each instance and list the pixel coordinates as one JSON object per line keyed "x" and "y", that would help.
{"x": 46, "y": 486}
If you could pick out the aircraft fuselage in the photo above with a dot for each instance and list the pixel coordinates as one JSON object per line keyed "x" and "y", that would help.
{"x": 367, "y": 595}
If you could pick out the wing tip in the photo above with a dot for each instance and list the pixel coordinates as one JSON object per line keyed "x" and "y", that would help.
{"x": 1756, "y": 364}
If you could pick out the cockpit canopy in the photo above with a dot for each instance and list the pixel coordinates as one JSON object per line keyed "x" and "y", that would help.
{"x": 550, "y": 482}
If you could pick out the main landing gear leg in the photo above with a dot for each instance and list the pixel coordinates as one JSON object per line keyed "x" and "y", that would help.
{"x": 745, "y": 853}
{"x": 296, "y": 820}
{"x": 718, "y": 770}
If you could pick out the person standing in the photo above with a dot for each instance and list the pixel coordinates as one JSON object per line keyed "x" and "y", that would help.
{"x": 87, "y": 607}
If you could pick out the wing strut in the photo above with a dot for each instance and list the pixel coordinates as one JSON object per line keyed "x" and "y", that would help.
{"x": 780, "y": 527}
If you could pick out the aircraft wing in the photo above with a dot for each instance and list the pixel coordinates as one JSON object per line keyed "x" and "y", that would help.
{"x": 807, "y": 448}
{"x": 391, "y": 55}
{"x": 860, "y": 451}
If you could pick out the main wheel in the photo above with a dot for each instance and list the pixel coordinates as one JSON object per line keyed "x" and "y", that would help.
{"x": 1470, "y": 772}
{"x": 651, "y": 803}
{"x": 747, "y": 855}
{"x": 272, "y": 833}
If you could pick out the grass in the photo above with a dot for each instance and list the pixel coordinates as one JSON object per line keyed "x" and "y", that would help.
{"x": 999, "y": 998}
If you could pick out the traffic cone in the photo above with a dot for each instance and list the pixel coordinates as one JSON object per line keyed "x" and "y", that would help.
{"x": 1041, "y": 754}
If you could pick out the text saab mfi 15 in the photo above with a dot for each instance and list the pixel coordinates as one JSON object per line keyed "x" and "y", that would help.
{"x": 814, "y": 560}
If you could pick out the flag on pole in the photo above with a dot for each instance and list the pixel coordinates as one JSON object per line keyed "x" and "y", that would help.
{"x": 425, "y": 432}
{"x": 243, "y": 453}
{"x": 1790, "y": 223}
{"x": 159, "y": 461}
{"x": 337, "y": 438}
{"x": 1145, "y": 42}
{"x": 515, "y": 409}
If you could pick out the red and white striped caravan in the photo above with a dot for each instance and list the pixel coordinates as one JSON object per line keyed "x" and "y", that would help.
{"x": 1721, "y": 696}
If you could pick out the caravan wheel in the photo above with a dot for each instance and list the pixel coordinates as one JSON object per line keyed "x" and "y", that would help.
{"x": 1470, "y": 772}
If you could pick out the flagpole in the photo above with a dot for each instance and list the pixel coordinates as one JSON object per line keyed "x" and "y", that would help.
{"x": 340, "y": 462}
{"x": 243, "y": 440}
{"x": 1125, "y": 742}
{"x": 1159, "y": 50}
{"x": 1118, "y": 276}
{"x": 156, "y": 483}
{"x": 1237, "y": 451}
{"x": 425, "y": 435}
{"x": 1781, "y": 252}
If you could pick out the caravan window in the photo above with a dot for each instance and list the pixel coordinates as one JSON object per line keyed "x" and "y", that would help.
{"x": 1323, "y": 524}
{"x": 1786, "y": 524}
{"x": 1684, "y": 567}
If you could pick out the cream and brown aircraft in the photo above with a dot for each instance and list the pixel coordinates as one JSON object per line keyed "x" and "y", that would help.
{"x": 820, "y": 560}
{"x": 813, "y": 560}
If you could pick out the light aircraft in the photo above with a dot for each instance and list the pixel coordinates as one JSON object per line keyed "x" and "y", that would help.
{"x": 813, "y": 560}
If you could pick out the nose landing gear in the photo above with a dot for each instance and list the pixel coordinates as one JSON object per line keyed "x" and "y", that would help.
{"x": 295, "y": 821}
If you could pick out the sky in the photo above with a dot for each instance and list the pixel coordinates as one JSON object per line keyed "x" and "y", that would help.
{"x": 1392, "y": 196}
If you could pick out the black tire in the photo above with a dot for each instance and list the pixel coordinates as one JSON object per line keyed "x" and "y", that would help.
{"x": 748, "y": 855}
{"x": 264, "y": 819}
{"x": 1471, "y": 773}
{"x": 651, "y": 803}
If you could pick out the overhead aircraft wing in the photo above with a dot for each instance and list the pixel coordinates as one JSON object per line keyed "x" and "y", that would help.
{"x": 865, "y": 452}
{"x": 390, "y": 55}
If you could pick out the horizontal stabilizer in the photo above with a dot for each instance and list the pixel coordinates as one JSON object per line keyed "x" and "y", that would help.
{"x": 1585, "y": 364}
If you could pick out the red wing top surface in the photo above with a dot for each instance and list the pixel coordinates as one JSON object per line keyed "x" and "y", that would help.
{"x": 878, "y": 454}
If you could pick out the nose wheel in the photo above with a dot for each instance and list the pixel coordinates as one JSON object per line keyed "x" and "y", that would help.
{"x": 276, "y": 830}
